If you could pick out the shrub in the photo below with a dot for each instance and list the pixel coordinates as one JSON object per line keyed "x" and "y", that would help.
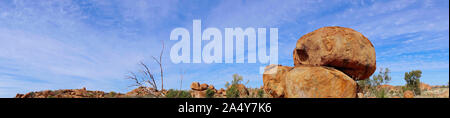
{"x": 413, "y": 81}
{"x": 178, "y": 94}
{"x": 381, "y": 78}
{"x": 112, "y": 94}
{"x": 210, "y": 93}
{"x": 371, "y": 85}
{"x": 380, "y": 92}
{"x": 260, "y": 93}
{"x": 233, "y": 91}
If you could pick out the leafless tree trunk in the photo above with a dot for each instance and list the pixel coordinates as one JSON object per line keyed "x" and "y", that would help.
{"x": 160, "y": 65}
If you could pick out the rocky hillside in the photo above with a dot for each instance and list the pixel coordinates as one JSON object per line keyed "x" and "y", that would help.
{"x": 70, "y": 93}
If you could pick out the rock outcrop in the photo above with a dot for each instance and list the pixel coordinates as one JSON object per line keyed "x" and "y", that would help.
{"x": 342, "y": 48}
{"x": 408, "y": 94}
{"x": 424, "y": 87}
{"x": 146, "y": 92}
{"x": 69, "y": 93}
{"x": 243, "y": 91}
{"x": 199, "y": 90}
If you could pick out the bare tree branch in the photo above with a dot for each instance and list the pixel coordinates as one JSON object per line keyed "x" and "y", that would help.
{"x": 132, "y": 76}
{"x": 150, "y": 75}
{"x": 147, "y": 79}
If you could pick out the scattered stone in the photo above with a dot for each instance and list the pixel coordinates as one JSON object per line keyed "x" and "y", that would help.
{"x": 408, "y": 94}
{"x": 195, "y": 86}
{"x": 360, "y": 95}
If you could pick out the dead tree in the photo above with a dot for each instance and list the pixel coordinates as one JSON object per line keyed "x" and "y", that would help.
{"x": 147, "y": 79}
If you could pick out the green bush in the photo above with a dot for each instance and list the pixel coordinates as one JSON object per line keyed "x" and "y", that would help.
{"x": 111, "y": 94}
{"x": 380, "y": 93}
{"x": 210, "y": 93}
{"x": 178, "y": 94}
{"x": 371, "y": 85}
{"x": 413, "y": 81}
{"x": 260, "y": 93}
{"x": 233, "y": 91}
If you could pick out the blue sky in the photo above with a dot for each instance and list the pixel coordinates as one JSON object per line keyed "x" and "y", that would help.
{"x": 66, "y": 44}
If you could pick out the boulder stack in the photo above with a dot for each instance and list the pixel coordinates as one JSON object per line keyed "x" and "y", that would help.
{"x": 327, "y": 62}
{"x": 199, "y": 90}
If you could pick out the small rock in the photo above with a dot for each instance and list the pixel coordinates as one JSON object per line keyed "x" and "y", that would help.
{"x": 408, "y": 94}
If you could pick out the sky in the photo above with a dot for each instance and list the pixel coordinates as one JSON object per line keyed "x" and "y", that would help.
{"x": 69, "y": 44}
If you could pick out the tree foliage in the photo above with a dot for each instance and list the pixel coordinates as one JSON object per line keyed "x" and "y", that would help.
{"x": 372, "y": 84}
{"x": 382, "y": 77}
{"x": 210, "y": 93}
{"x": 413, "y": 81}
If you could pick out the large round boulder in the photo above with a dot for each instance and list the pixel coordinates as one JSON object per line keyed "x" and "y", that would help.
{"x": 342, "y": 48}
{"x": 308, "y": 82}
{"x": 319, "y": 82}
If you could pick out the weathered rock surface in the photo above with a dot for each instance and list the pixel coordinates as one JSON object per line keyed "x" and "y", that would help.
{"x": 273, "y": 79}
{"x": 425, "y": 87}
{"x": 408, "y": 94}
{"x": 198, "y": 94}
{"x": 203, "y": 86}
{"x": 243, "y": 91}
{"x": 145, "y": 92}
{"x": 199, "y": 90}
{"x": 342, "y": 48}
{"x": 211, "y": 87}
{"x": 308, "y": 82}
{"x": 195, "y": 86}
